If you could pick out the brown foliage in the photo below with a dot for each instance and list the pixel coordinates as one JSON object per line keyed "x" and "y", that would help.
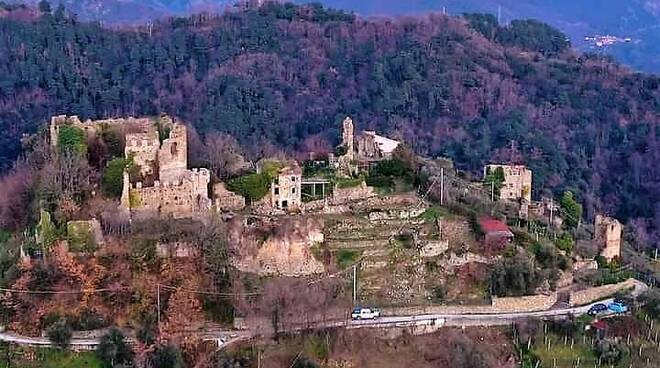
{"x": 15, "y": 199}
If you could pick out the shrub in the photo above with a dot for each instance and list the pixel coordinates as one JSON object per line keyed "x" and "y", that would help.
{"x": 72, "y": 138}
{"x": 565, "y": 242}
{"x": 113, "y": 176}
{"x": 304, "y": 363}
{"x": 609, "y": 352}
{"x": 166, "y": 356}
{"x": 60, "y": 333}
{"x": 253, "y": 186}
{"x": 113, "y": 350}
{"x": 515, "y": 277}
{"x": 651, "y": 300}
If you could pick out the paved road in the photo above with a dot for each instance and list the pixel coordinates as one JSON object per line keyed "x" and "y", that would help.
{"x": 226, "y": 338}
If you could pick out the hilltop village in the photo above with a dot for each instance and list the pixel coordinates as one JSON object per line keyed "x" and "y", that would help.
{"x": 158, "y": 247}
{"x": 319, "y": 198}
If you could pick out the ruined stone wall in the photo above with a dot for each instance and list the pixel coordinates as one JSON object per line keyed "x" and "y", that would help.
{"x": 608, "y": 236}
{"x": 531, "y": 303}
{"x": 143, "y": 147}
{"x": 181, "y": 200}
{"x": 92, "y": 127}
{"x": 517, "y": 182}
{"x": 367, "y": 147}
{"x": 590, "y": 295}
{"x": 348, "y": 138}
{"x": 226, "y": 200}
{"x": 434, "y": 248}
{"x": 347, "y": 195}
{"x": 173, "y": 155}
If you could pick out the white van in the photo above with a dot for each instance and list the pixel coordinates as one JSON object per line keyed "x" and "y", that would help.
{"x": 365, "y": 313}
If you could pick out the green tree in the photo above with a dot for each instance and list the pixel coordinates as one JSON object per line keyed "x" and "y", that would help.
{"x": 113, "y": 350}
{"x": 166, "y": 356}
{"x": 252, "y": 186}
{"x": 46, "y": 230}
{"x": 113, "y": 176}
{"x": 494, "y": 178}
{"x": 572, "y": 210}
{"x": 60, "y": 333}
{"x": 515, "y": 276}
{"x": 565, "y": 242}
{"x": 71, "y": 138}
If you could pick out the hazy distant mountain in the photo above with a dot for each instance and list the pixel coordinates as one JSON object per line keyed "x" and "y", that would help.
{"x": 637, "y": 19}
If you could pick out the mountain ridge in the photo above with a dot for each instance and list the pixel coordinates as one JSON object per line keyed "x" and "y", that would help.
{"x": 637, "y": 19}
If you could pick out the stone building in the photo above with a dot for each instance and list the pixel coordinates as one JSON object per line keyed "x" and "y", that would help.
{"x": 285, "y": 190}
{"x": 496, "y": 234}
{"x": 176, "y": 191}
{"x": 143, "y": 145}
{"x": 373, "y": 147}
{"x": 345, "y": 162}
{"x": 180, "y": 199}
{"x": 361, "y": 150}
{"x": 517, "y": 181}
{"x": 607, "y": 234}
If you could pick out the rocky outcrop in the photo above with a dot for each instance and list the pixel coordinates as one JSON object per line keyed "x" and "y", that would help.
{"x": 282, "y": 247}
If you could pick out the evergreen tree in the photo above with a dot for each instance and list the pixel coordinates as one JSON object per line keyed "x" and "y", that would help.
{"x": 572, "y": 210}
{"x": 44, "y": 7}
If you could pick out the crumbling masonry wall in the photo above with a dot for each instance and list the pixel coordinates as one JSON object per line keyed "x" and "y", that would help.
{"x": 517, "y": 181}
{"x": 608, "y": 236}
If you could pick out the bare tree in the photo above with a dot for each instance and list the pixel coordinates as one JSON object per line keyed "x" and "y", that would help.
{"x": 66, "y": 174}
{"x": 224, "y": 155}
{"x": 14, "y": 201}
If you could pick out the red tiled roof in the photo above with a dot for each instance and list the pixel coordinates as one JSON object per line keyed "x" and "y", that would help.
{"x": 491, "y": 225}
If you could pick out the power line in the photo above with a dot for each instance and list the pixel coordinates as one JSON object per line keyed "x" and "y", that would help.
{"x": 51, "y": 292}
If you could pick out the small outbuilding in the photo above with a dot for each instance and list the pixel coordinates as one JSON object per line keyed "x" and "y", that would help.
{"x": 496, "y": 234}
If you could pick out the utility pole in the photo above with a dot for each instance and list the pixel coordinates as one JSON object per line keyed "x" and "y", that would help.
{"x": 442, "y": 186}
{"x": 158, "y": 303}
{"x": 492, "y": 191}
{"x": 354, "y": 284}
{"x": 552, "y": 207}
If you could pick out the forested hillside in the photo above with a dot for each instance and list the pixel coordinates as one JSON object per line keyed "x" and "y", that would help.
{"x": 285, "y": 75}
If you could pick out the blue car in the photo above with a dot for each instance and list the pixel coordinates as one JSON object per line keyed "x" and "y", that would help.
{"x": 617, "y": 307}
{"x": 597, "y": 308}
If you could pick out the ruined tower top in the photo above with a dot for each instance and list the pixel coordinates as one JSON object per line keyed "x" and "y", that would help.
{"x": 348, "y": 136}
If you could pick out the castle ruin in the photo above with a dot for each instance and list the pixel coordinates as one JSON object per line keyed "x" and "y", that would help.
{"x": 360, "y": 150}
{"x": 517, "y": 183}
{"x": 177, "y": 191}
{"x": 607, "y": 234}
{"x": 159, "y": 149}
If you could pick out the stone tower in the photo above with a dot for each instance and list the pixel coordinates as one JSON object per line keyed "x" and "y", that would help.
{"x": 607, "y": 232}
{"x": 173, "y": 156}
{"x": 125, "y": 191}
{"x": 348, "y": 138}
